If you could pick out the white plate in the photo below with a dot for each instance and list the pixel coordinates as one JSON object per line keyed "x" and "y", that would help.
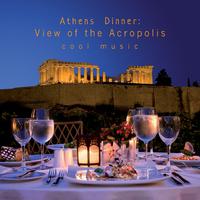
{"x": 14, "y": 176}
{"x": 187, "y": 163}
{"x": 34, "y": 159}
{"x": 58, "y": 146}
{"x": 55, "y": 146}
{"x": 114, "y": 181}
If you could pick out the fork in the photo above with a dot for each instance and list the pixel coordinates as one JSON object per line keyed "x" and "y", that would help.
{"x": 52, "y": 173}
{"x": 60, "y": 177}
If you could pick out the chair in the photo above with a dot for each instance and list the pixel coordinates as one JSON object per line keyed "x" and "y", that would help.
{"x": 64, "y": 132}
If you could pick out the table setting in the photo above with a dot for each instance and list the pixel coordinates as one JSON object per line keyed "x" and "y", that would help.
{"x": 108, "y": 166}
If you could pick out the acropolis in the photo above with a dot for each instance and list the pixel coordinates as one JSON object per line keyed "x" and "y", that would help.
{"x": 54, "y": 71}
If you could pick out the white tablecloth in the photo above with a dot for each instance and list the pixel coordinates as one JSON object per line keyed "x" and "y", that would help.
{"x": 38, "y": 190}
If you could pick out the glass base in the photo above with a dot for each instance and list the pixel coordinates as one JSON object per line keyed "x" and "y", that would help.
{"x": 41, "y": 167}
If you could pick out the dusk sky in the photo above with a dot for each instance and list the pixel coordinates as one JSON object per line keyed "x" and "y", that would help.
{"x": 22, "y": 53}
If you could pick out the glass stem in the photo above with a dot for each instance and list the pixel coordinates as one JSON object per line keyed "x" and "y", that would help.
{"x": 146, "y": 151}
{"x": 23, "y": 157}
{"x": 42, "y": 156}
{"x": 168, "y": 161}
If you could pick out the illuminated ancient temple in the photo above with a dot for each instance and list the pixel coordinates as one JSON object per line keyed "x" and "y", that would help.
{"x": 138, "y": 75}
{"x": 55, "y": 71}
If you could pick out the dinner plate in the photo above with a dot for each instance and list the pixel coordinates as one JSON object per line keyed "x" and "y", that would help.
{"x": 34, "y": 159}
{"x": 187, "y": 163}
{"x": 14, "y": 176}
{"x": 71, "y": 177}
{"x": 55, "y": 146}
{"x": 58, "y": 146}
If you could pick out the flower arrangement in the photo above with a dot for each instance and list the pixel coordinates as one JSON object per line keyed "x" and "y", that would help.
{"x": 118, "y": 133}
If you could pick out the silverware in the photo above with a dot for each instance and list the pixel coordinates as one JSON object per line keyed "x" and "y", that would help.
{"x": 60, "y": 177}
{"x": 26, "y": 173}
{"x": 52, "y": 174}
{"x": 180, "y": 177}
{"x": 176, "y": 181}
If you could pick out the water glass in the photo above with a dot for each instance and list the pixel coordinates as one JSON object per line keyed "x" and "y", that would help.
{"x": 22, "y": 134}
{"x": 146, "y": 128}
{"x": 40, "y": 113}
{"x": 42, "y": 132}
{"x": 169, "y": 130}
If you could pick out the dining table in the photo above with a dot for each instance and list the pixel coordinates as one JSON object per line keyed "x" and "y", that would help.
{"x": 39, "y": 190}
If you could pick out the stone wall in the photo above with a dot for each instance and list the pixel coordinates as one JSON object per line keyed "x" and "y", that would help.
{"x": 165, "y": 99}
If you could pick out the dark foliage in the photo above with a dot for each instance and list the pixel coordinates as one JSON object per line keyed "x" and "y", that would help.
{"x": 195, "y": 84}
{"x": 8, "y": 110}
{"x": 95, "y": 118}
{"x": 163, "y": 78}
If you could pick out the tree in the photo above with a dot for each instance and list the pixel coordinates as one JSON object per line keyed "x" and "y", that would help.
{"x": 188, "y": 82}
{"x": 195, "y": 84}
{"x": 163, "y": 78}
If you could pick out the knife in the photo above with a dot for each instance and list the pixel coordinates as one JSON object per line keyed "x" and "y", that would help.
{"x": 26, "y": 173}
{"x": 180, "y": 177}
{"x": 174, "y": 179}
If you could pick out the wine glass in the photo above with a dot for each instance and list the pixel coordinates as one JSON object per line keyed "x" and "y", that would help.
{"x": 22, "y": 134}
{"x": 145, "y": 111}
{"x": 42, "y": 132}
{"x": 169, "y": 130}
{"x": 146, "y": 128}
{"x": 40, "y": 113}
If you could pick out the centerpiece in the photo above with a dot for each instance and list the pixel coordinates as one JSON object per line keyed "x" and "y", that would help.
{"x": 116, "y": 142}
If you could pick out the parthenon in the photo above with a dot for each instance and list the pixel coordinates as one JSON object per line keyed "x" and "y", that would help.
{"x": 54, "y": 71}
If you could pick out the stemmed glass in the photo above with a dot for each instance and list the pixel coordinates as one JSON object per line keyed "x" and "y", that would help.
{"x": 146, "y": 128}
{"x": 145, "y": 111}
{"x": 42, "y": 132}
{"x": 22, "y": 134}
{"x": 40, "y": 113}
{"x": 169, "y": 130}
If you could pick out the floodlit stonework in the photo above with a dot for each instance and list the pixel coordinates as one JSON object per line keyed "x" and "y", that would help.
{"x": 138, "y": 74}
{"x": 55, "y": 71}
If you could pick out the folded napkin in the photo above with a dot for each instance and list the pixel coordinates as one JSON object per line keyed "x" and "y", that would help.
{"x": 4, "y": 170}
{"x": 189, "y": 147}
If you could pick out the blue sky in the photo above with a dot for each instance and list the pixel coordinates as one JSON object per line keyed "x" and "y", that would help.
{"x": 22, "y": 53}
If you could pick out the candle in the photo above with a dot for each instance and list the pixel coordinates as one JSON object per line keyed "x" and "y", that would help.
{"x": 83, "y": 155}
{"x": 68, "y": 156}
{"x": 59, "y": 159}
{"x": 132, "y": 148}
{"x": 94, "y": 154}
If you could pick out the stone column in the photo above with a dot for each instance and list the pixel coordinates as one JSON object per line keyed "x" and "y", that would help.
{"x": 73, "y": 77}
{"x": 98, "y": 75}
{"x": 150, "y": 78}
{"x": 47, "y": 75}
{"x": 134, "y": 77}
{"x": 55, "y": 74}
{"x": 85, "y": 75}
{"x": 122, "y": 78}
{"x": 41, "y": 77}
{"x": 79, "y": 74}
{"x": 68, "y": 73}
{"x": 128, "y": 76}
{"x": 104, "y": 76}
{"x": 91, "y": 75}
{"x": 143, "y": 77}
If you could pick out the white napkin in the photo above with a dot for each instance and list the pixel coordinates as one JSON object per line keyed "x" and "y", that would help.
{"x": 4, "y": 170}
